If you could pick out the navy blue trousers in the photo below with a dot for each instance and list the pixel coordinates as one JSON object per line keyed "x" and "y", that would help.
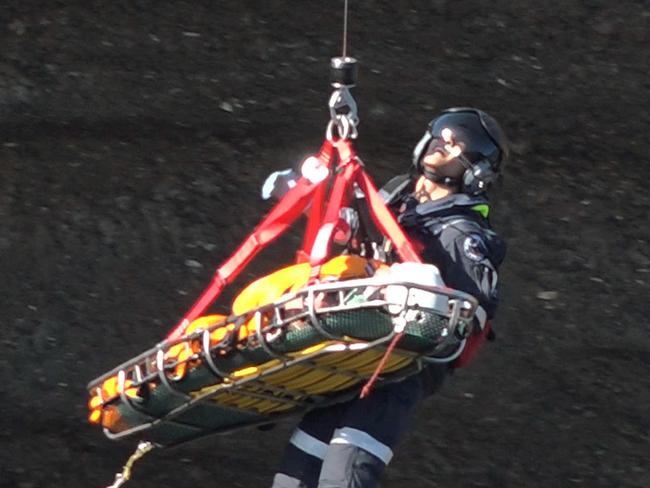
{"x": 348, "y": 445}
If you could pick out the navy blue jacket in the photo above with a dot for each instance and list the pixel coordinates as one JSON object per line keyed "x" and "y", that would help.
{"x": 454, "y": 233}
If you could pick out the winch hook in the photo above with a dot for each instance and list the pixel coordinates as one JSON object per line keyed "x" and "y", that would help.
{"x": 342, "y": 105}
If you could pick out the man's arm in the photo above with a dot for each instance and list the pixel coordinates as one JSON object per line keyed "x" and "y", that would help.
{"x": 468, "y": 257}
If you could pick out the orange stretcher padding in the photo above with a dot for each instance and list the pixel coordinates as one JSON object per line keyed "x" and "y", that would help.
{"x": 260, "y": 292}
{"x": 293, "y": 278}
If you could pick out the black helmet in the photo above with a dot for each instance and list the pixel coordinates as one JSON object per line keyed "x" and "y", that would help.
{"x": 484, "y": 147}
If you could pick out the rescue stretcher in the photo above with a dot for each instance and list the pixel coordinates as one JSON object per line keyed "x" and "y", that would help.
{"x": 294, "y": 360}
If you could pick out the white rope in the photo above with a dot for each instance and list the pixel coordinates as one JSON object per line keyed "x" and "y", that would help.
{"x": 121, "y": 478}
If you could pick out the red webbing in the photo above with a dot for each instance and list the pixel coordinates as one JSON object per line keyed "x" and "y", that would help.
{"x": 386, "y": 221}
{"x": 339, "y": 197}
{"x": 287, "y": 210}
{"x": 345, "y": 150}
{"x": 320, "y": 227}
{"x": 474, "y": 342}
{"x": 315, "y": 219}
{"x": 367, "y": 388}
{"x": 314, "y": 223}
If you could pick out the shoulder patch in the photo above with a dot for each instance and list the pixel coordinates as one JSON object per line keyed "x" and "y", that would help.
{"x": 474, "y": 247}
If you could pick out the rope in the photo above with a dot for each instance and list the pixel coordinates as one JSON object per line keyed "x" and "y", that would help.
{"x": 121, "y": 478}
{"x": 367, "y": 388}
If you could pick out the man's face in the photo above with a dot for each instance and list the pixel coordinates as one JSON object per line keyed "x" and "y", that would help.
{"x": 442, "y": 159}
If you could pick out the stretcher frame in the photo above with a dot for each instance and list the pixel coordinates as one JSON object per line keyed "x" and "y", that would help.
{"x": 152, "y": 365}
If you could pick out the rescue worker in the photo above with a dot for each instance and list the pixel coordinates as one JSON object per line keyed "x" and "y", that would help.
{"x": 443, "y": 207}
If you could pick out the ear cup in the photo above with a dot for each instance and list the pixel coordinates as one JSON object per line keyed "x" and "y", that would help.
{"x": 478, "y": 178}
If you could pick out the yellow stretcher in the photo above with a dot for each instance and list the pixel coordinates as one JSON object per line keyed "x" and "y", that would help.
{"x": 287, "y": 348}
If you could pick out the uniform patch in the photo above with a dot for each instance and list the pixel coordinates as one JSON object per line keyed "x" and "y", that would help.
{"x": 474, "y": 247}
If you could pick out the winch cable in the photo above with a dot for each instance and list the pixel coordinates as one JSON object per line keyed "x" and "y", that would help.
{"x": 345, "y": 29}
{"x": 386, "y": 223}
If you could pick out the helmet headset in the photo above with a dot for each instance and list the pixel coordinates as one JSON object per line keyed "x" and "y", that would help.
{"x": 484, "y": 147}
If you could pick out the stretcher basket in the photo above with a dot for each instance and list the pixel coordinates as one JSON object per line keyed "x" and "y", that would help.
{"x": 298, "y": 358}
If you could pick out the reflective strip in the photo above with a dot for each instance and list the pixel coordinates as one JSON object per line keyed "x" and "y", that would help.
{"x": 481, "y": 315}
{"x": 348, "y": 435}
{"x": 308, "y": 443}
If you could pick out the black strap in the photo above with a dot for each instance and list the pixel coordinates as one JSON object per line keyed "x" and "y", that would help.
{"x": 368, "y": 232}
{"x": 368, "y": 235}
{"x": 395, "y": 187}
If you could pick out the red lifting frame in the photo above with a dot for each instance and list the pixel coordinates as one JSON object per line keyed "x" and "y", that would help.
{"x": 322, "y": 224}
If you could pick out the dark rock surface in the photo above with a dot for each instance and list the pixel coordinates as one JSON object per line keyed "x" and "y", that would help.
{"x": 134, "y": 137}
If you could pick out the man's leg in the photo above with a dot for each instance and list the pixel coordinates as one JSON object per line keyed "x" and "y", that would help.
{"x": 348, "y": 445}
{"x": 362, "y": 445}
{"x": 302, "y": 459}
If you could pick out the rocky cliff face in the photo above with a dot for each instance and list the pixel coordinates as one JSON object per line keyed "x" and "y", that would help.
{"x": 134, "y": 137}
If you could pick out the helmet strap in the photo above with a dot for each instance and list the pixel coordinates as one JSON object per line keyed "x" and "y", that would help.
{"x": 444, "y": 180}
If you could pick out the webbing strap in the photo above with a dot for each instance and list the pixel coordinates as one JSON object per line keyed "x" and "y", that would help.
{"x": 320, "y": 228}
{"x": 386, "y": 221}
{"x": 339, "y": 197}
{"x": 325, "y": 156}
{"x": 287, "y": 210}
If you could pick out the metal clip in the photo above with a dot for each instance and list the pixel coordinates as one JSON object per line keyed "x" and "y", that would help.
{"x": 345, "y": 121}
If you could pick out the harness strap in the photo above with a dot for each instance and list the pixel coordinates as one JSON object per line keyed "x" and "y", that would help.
{"x": 386, "y": 221}
{"x": 325, "y": 156}
{"x": 287, "y": 210}
{"x": 339, "y": 197}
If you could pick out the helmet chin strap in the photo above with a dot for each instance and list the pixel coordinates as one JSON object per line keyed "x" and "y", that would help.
{"x": 445, "y": 180}
{"x": 448, "y": 180}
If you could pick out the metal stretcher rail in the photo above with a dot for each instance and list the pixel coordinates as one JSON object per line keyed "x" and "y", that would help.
{"x": 318, "y": 301}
